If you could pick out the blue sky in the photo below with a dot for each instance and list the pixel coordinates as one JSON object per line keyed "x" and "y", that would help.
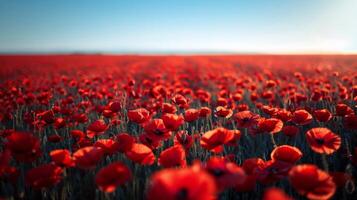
{"x": 136, "y": 26}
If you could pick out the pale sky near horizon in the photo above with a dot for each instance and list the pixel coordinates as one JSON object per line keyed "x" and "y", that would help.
{"x": 136, "y": 26}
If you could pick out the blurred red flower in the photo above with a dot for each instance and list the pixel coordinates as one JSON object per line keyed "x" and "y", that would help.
{"x": 111, "y": 176}
{"x": 44, "y": 176}
{"x": 312, "y": 182}
{"x": 185, "y": 183}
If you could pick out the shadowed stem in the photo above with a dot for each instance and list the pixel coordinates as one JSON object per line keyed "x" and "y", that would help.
{"x": 324, "y": 162}
{"x": 273, "y": 140}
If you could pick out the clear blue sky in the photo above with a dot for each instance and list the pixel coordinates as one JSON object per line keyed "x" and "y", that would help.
{"x": 178, "y": 26}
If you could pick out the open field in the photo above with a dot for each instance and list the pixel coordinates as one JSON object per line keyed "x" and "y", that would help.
{"x": 178, "y": 127}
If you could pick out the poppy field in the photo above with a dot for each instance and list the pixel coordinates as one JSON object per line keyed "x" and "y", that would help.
{"x": 272, "y": 127}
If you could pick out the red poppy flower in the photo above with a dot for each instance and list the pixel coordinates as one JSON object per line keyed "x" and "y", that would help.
{"x": 151, "y": 141}
{"x": 62, "y": 157}
{"x": 301, "y": 117}
{"x": 114, "y": 106}
{"x": 97, "y": 127}
{"x": 184, "y": 183}
{"x": 322, "y": 115}
{"x": 172, "y": 121}
{"x": 48, "y": 117}
{"x": 125, "y": 142}
{"x": 271, "y": 125}
{"x": 223, "y": 112}
{"x": 157, "y": 129}
{"x": 350, "y": 121}
{"x": 250, "y": 165}
{"x": 173, "y": 157}
{"x": 283, "y": 115}
{"x": 191, "y": 115}
{"x": 323, "y": 140}
{"x": 235, "y": 140}
{"x": 290, "y": 130}
{"x": 272, "y": 171}
{"x": 246, "y": 119}
{"x": 226, "y": 174}
{"x": 141, "y": 154}
{"x": 183, "y": 139}
{"x": 343, "y": 109}
{"x": 286, "y": 153}
{"x": 24, "y": 146}
{"x": 139, "y": 115}
{"x": 205, "y": 112}
{"x": 180, "y": 100}
{"x": 44, "y": 176}
{"x": 78, "y": 134}
{"x": 109, "y": 146}
{"x": 168, "y": 108}
{"x": 88, "y": 157}
{"x": 312, "y": 182}
{"x": 214, "y": 139}
{"x": 110, "y": 177}
{"x": 59, "y": 123}
{"x": 54, "y": 138}
{"x": 275, "y": 194}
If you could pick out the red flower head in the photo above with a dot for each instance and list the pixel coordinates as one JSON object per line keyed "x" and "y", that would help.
{"x": 125, "y": 142}
{"x": 168, "y": 108}
{"x": 290, "y": 130}
{"x": 322, "y": 115}
{"x": 151, "y": 141}
{"x": 312, "y": 182}
{"x": 141, "y": 154}
{"x": 185, "y": 183}
{"x": 54, "y": 138}
{"x": 110, "y": 177}
{"x": 88, "y": 157}
{"x": 226, "y": 174}
{"x": 191, "y": 115}
{"x": 62, "y": 157}
{"x": 172, "y": 121}
{"x": 246, "y": 119}
{"x": 236, "y": 138}
{"x": 350, "y": 121}
{"x": 157, "y": 129}
{"x": 343, "y": 109}
{"x": 78, "y": 134}
{"x": 139, "y": 115}
{"x": 275, "y": 194}
{"x": 96, "y": 128}
{"x": 44, "y": 176}
{"x": 214, "y": 139}
{"x": 205, "y": 112}
{"x": 271, "y": 125}
{"x": 180, "y": 100}
{"x": 183, "y": 139}
{"x": 24, "y": 147}
{"x": 223, "y": 112}
{"x": 301, "y": 117}
{"x": 286, "y": 153}
{"x": 114, "y": 106}
{"x": 323, "y": 140}
{"x": 272, "y": 171}
{"x": 173, "y": 157}
{"x": 47, "y": 116}
{"x": 109, "y": 146}
{"x": 283, "y": 115}
{"x": 59, "y": 123}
